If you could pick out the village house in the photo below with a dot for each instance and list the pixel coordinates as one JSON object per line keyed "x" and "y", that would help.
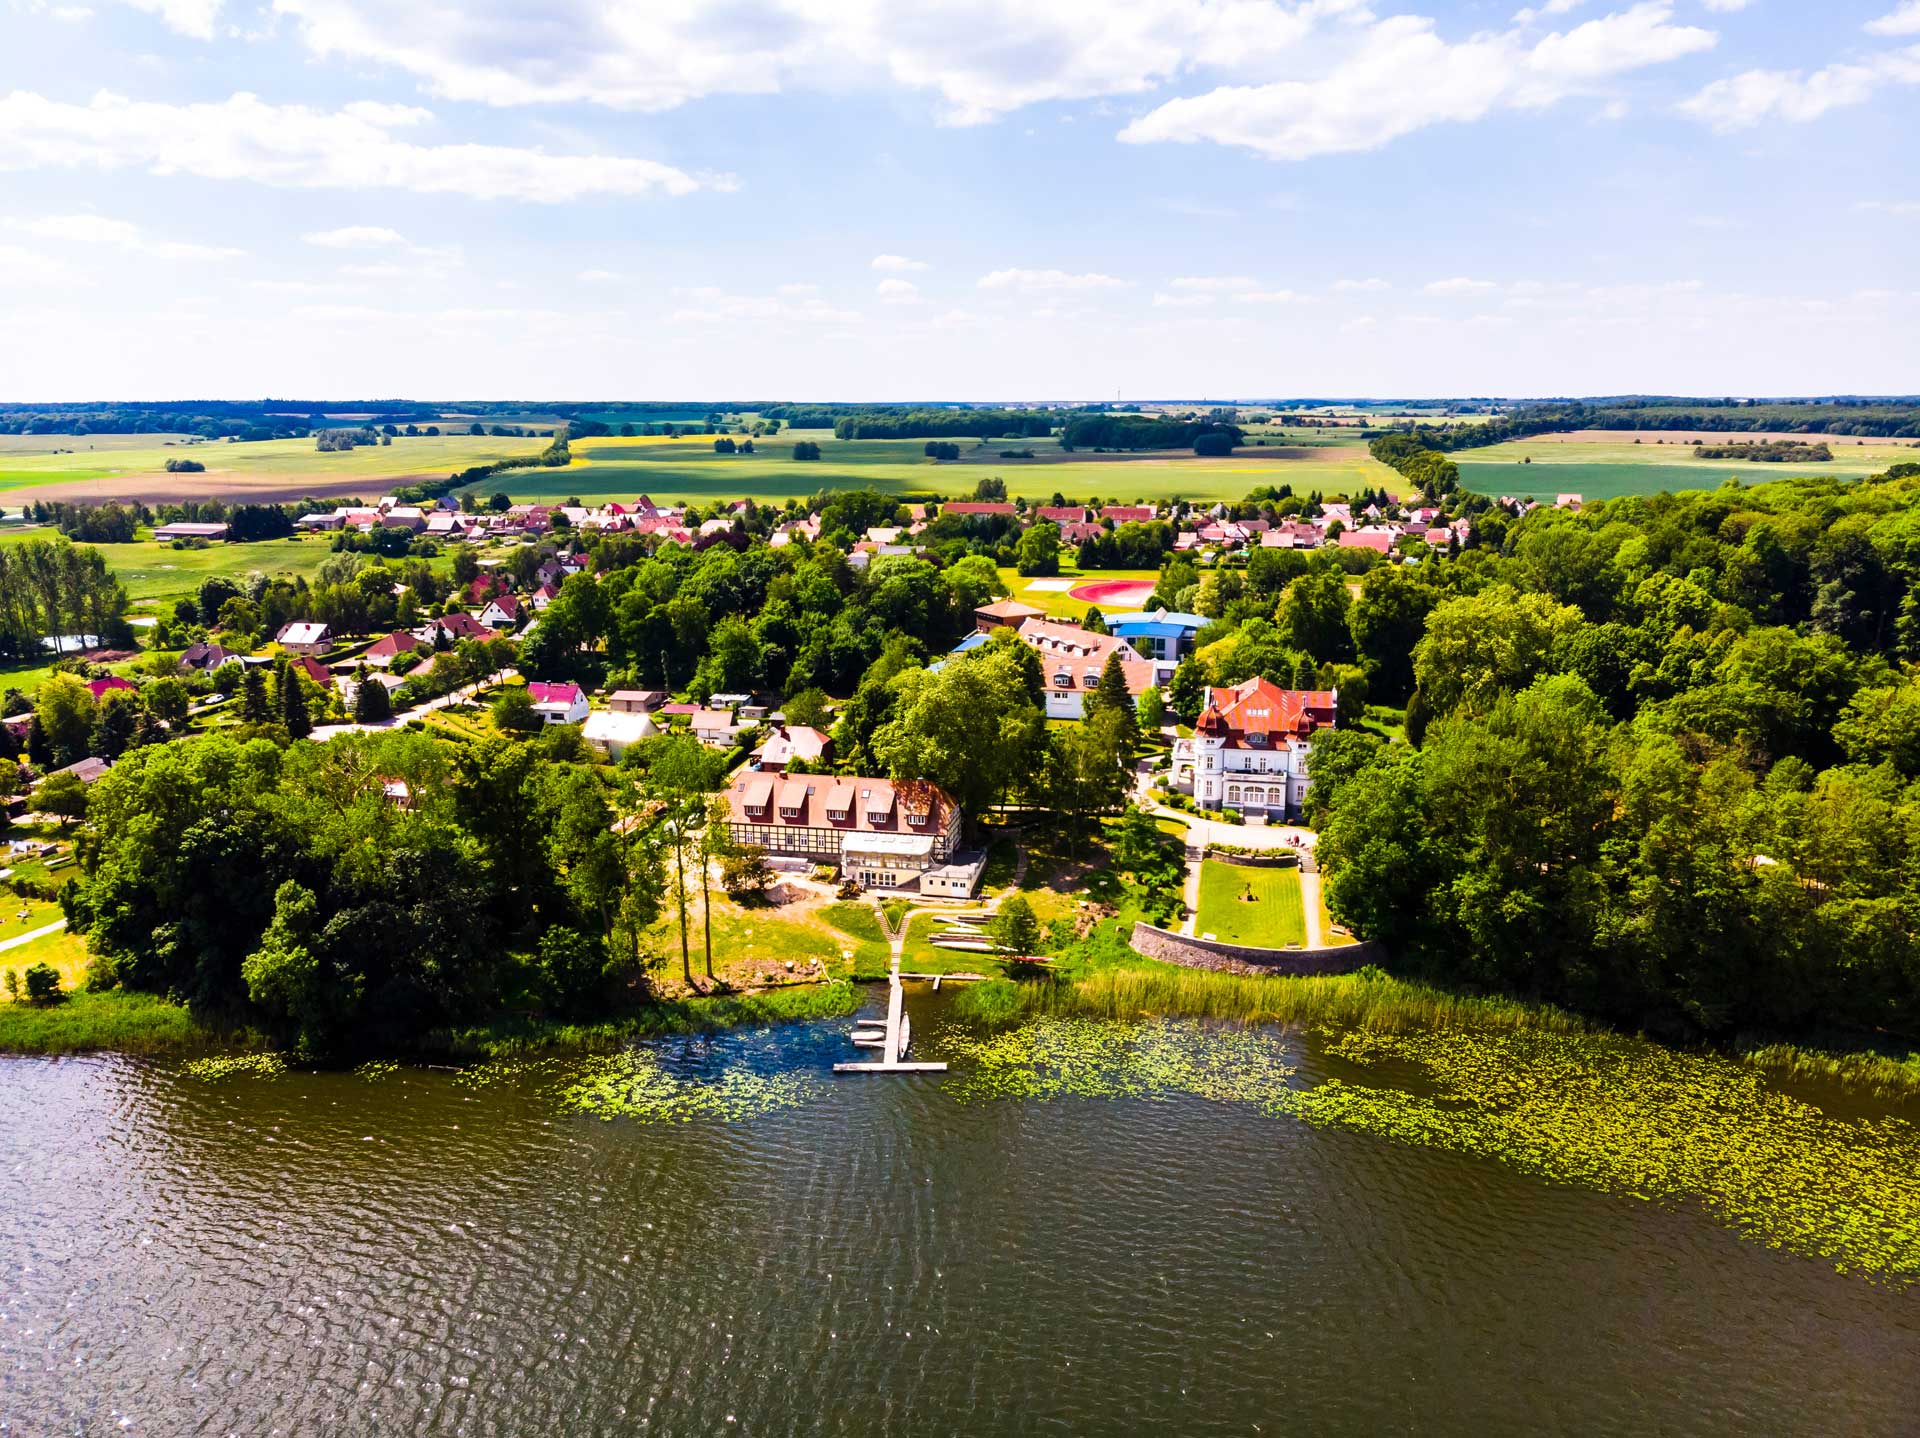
{"x": 636, "y": 701}
{"x": 715, "y": 727}
{"x": 558, "y": 703}
{"x": 881, "y": 834}
{"x": 166, "y": 532}
{"x": 613, "y": 731}
{"x": 502, "y": 612}
{"x": 383, "y": 652}
{"x": 305, "y": 638}
{"x": 1129, "y": 513}
{"x": 456, "y": 626}
{"x": 1062, "y": 514}
{"x": 1249, "y": 748}
{"x": 790, "y": 742}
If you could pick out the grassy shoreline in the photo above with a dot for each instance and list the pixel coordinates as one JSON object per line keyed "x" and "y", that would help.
{"x": 119, "y": 1022}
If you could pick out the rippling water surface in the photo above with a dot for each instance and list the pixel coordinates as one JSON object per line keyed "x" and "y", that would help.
{"x": 324, "y": 1254}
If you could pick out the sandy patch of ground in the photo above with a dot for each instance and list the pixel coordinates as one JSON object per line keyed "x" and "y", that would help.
{"x": 1052, "y": 586}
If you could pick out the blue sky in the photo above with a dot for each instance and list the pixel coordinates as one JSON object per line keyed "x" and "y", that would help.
{"x": 966, "y": 199}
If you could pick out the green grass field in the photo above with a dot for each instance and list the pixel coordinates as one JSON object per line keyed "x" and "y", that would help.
{"x": 156, "y": 574}
{"x": 1612, "y": 467}
{"x": 1275, "y": 917}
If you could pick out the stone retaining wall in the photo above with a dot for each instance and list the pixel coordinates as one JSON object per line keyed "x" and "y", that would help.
{"x": 1276, "y": 860}
{"x": 1222, "y": 958}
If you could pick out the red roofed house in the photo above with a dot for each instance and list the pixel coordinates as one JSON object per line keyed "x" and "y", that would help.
{"x": 1128, "y": 513}
{"x": 558, "y": 703}
{"x": 1249, "y": 747}
{"x": 1379, "y": 540}
{"x": 483, "y": 587}
{"x": 882, "y": 834}
{"x": 456, "y": 626}
{"x": 502, "y": 612}
{"x": 314, "y": 670}
{"x": 790, "y": 742}
{"x": 383, "y": 652}
{"x": 1062, "y": 513}
{"x": 101, "y": 688}
{"x": 1004, "y": 613}
{"x": 969, "y": 509}
{"x": 1071, "y": 660}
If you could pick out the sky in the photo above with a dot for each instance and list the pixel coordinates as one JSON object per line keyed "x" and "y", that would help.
{"x": 991, "y": 200}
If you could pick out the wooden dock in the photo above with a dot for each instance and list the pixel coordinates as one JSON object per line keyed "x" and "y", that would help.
{"x": 892, "y": 1040}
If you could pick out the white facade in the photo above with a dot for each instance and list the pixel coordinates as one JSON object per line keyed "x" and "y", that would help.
{"x": 1252, "y": 779}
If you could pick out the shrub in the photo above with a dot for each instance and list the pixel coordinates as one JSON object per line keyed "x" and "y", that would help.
{"x": 43, "y": 984}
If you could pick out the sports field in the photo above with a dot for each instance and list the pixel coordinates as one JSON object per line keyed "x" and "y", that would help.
{"x": 1054, "y": 595}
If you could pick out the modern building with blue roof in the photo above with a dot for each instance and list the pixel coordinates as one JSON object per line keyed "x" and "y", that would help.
{"x": 1161, "y": 634}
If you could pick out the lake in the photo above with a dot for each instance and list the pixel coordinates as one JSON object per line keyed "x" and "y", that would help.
{"x": 756, "y": 1247}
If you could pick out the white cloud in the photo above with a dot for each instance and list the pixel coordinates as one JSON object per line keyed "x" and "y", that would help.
{"x": 1366, "y": 286}
{"x": 1461, "y": 286}
{"x": 68, "y": 14}
{"x": 1745, "y": 100}
{"x": 1269, "y": 297}
{"x": 356, "y": 237}
{"x": 119, "y": 234}
{"x": 1727, "y": 7}
{"x": 295, "y": 146}
{"x": 981, "y": 58}
{"x": 600, "y": 277}
{"x": 188, "y": 17}
{"x": 898, "y": 292}
{"x": 1903, "y": 20}
{"x": 1216, "y": 283}
{"x": 1903, "y": 208}
{"x": 1048, "y": 281}
{"x": 1403, "y": 77}
{"x": 1162, "y": 300}
{"x": 710, "y": 302}
{"x": 20, "y": 268}
{"x": 899, "y": 264}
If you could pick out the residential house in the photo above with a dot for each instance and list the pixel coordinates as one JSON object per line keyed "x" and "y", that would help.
{"x": 543, "y": 596}
{"x": 1062, "y": 514}
{"x": 456, "y": 626}
{"x": 558, "y": 703}
{"x": 87, "y": 771}
{"x": 313, "y": 669}
{"x": 1379, "y": 540}
{"x": 204, "y": 658}
{"x": 332, "y": 519}
{"x": 1071, "y": 661}
{"x": 1249, "y": 747}
{"x": 613, "y": 731}
{"x": 306, "y": 638}
{"x": 383, "y": 652}
{"x": 881, "y": 834}
{"x": 1129, "y": 513}
{"x": 405, "y": 516}
{"x": 791, "y": 742}
{"x": 636, "y": 701}
{"x": 971, "y": 509}
{"x": 502, "y": 612}
{"x": 714, "y": 726}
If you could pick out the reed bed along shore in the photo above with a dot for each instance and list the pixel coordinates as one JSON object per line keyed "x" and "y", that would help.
{"x": 1376, "y": 1003}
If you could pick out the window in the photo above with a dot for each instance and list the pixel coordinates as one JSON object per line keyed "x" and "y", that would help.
{"x": 1233, "y": 793}
{"x": 1063, "y": 680}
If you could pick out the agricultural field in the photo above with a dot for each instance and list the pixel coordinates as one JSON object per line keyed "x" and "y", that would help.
{"x": 1607, "y": 464}
{"x": 98, "y": 468}
{"x": 686, "y": 470}
{"x": 1261, "y": 908}
{"x": 156, "y": 574}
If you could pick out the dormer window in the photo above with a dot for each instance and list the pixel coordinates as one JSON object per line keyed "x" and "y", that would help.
{"x": 1258, "y": 741}
{"x": 1063, "y": 680}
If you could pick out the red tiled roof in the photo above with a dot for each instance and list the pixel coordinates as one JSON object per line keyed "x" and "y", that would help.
{"x": 971, "y": 507}
{"x": 1063, "y": 514}
{"x": 1260, "y": 706}
{"x": 543, "y": 693}
{"x": 852, "y": 805}
{"x": 393, "y": 646}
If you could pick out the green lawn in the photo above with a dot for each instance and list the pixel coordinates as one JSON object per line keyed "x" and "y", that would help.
{"x": 159, "y": 572}
{"x": 922, "y": 956}
{"x": 66, "y": 951}
{"x": 1273, "y": 919}
{"x": 1611, "y": 468}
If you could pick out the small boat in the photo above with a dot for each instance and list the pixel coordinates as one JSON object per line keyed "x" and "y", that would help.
{"x": 906, "y": 1035}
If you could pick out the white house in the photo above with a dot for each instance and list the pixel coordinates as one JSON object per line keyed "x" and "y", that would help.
{"x": 558, "y": 703}
{"x": 1249, "y": 747}
{"x": 614, "y": 730}
{"x": 502, "y": 612}
{"x": 306, "y": 638}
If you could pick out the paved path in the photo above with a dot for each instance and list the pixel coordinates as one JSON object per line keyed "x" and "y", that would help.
{"x": 458, "y": 696}
{"x": 1310, "y": 902}
{"x": 28, "y": 938}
